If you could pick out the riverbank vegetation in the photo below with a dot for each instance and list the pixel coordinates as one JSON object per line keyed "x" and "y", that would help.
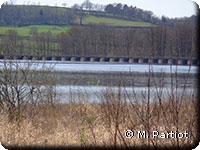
{"x": 78, "y": 124}
{"x": 32, "y": 117}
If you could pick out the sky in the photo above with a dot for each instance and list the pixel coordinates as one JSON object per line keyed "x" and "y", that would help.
{"x": 169, "y": 8}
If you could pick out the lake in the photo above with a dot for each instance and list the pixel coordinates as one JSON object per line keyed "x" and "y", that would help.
{"x": 91, "y": 81}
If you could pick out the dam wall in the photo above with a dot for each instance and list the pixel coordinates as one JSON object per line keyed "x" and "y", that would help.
{"x": 128, "y": 60}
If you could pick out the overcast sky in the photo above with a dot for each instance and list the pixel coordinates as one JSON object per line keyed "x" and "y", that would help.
{"x": 169, "y": 8}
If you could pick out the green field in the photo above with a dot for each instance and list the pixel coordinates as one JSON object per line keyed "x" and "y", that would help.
{"x": 112, "y": 22}
{"x": 24, "y": 31}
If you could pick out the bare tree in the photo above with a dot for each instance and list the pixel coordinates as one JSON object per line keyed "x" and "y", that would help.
{"x": 75, "y": 6}
{"x": 23, "y": 85}
{"x": 9, "y": 42}
{"x": 87, "y": 5}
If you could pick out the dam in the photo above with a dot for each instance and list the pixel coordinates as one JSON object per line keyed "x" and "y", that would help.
{"x": 130, "y": 60}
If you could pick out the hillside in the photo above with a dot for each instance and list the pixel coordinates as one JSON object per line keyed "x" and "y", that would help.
{"x": 19, "y": 15}
{"x": 113, "y": 22}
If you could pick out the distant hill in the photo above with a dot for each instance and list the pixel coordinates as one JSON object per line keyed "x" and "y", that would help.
{"x": 23, "y": 15}
{"x": 125, "y": 16}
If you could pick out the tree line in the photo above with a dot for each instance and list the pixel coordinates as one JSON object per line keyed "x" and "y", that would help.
{"x": 160, "y": 41}
{"x": 134, "y": 13}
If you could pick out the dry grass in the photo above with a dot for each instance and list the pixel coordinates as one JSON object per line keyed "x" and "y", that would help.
{"x": 92, "y": 125}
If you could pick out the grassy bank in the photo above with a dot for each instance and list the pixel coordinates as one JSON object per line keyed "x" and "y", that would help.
{"x": 82, "y": 123}
{"x": 96, "y": 125}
